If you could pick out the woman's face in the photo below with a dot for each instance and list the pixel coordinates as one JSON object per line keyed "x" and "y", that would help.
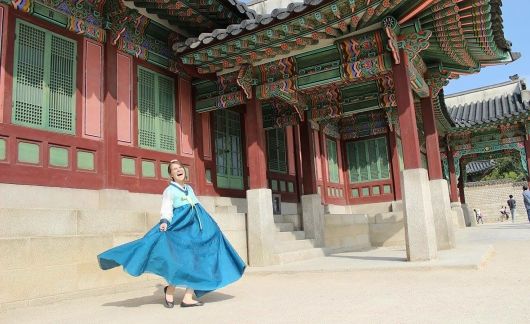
{"x": 178, "y": 173}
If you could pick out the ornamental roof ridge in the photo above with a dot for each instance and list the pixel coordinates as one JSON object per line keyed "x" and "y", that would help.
{"x": 483, "y": 88}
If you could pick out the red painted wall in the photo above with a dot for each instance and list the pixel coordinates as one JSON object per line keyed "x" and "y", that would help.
{"x": 93, "y": 90}
{"x": 3, "y": 36}
{"x": 124, "y": 99}
{"x": 185, "y": 117}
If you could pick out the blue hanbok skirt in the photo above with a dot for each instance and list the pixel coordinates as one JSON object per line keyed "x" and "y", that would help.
{"x": 192, "y": 253}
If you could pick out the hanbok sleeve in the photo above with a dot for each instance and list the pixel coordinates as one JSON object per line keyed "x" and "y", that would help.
{"x": 166, "y": 211}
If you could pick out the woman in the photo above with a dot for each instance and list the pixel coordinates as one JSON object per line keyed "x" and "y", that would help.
{"x": 187, "y": 248}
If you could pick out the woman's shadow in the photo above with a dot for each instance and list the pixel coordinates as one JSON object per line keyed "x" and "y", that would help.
{"x": 158, "y": 298}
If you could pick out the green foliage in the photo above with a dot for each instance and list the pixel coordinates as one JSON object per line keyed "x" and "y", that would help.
{"x": 508, "y": 167}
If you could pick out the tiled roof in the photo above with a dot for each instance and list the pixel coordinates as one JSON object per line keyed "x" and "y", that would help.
{"x": 496, "y": 103}
{"x": 488, "y": 111}
{"x": 479, "y": 166}
{"x": 196, "y": 16}
{"x": 254, "y": 21}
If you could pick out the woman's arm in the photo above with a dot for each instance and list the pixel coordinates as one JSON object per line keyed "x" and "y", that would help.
{"x": 166, "y": 211}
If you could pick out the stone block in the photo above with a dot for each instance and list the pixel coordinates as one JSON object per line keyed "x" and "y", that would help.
{"x": 15, "y": 253}
{"x": 389, "y": 217}
{"x": 238, "y": 239}
{"x": 152, "y": 219}
{"x": 352, "y": 219}
{"x": 313, "y": 218}
{"x": 19, "y": 285}
{"x": 469, "y": 215}
{"x": 226, "y": 209}
{"x": 119, "y": 239}
{"x": 111, "y": 221}
{"x": 442, "y": 214}
{"x": 387, "y": 234}
{"x": 145, "y": 202}
{"x": 208, "y": 203}
{"x": 332, "y": 219}
{"x": 91, "y": 276}
{"x": 397, "y": 206}
{"x": 52, "y": 251}
{"x": 261, "y": 228}
{"x": 16, "y": 196}
{"x": 231, "y": 222}
{"x": 420, "y": 234}
{"x": 295, "y": 219}
{"x": 374, "y": 208}
{"x": 456, "y": 207}
{"x": 37, "y": 222}
{"x": 335, "y": 209}
{"x": 289, "y": 208}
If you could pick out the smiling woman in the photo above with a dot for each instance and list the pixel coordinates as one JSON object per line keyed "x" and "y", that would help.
{"x": 187, "y": 248}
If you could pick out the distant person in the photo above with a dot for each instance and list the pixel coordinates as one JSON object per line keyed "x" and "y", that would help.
{"x": 478, "y": 216}
{"x": 504, "y": 213}
{"x": 511, "y": 203}
{"x": 526, "y": 199}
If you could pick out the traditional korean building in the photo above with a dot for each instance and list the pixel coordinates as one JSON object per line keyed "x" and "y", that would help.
{"x": 487, "y": 123}
{"x": 331, "y": 109}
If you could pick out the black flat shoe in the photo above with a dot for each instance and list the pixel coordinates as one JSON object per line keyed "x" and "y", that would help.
{"x": 198, "y": 303}
{"x": 167, "y": 303}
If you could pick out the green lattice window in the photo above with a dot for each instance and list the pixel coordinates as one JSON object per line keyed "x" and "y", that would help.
{"x": 44, "y": 79}
{"x": 276, "y": 150}
{"x": 333, "y": 165}
{"x": 368, "y": 160}
{"x": 156, "y": 111}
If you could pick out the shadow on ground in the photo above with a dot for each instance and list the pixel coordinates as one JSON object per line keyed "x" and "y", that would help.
{"x": 158, "y": 295}
{"x": 370, "y": 258}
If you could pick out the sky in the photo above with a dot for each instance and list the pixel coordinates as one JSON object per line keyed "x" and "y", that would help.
{"x": 516, "y": 18}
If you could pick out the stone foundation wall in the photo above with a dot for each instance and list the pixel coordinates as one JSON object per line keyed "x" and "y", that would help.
{"x": 346, "y": 232}
{"x": 489, "y": 196}
{"x": 49, "y": 247}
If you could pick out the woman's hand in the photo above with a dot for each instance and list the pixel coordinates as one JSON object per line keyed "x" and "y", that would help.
{"x": 163, "y": 227}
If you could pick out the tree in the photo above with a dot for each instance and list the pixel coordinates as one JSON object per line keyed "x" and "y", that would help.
{"x": 508, "y": 167}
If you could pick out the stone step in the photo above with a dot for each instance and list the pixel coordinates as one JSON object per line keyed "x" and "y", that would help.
{"x": 59, "y": 222}
{"x": 289, "y": 236}
{"x": 300, "y": 255}
{"x": 226, "y": 209}
{"x": 34, "y": 252}
{"x": 284, "y": 227}
{"x": 296, "y": 245}
{"x": 295, "y": 219}
{"x": 279, "y": 219}
{"x": 345, "y": 219}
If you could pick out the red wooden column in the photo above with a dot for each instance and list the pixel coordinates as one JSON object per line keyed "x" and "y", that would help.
{"x": 255, "y": 135}
{"x": 527, "y": 149}
{"x": 431, "y": 138}
{"x": 394, "y": 156}
{"x": 111, "y": 159}
{"x": 453, "y": 189}
{"x": 307, "y": 146}
{"x": 407, "y": 114}
{"x": 198, "y": 151}
{"x": 325, "y": 167}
